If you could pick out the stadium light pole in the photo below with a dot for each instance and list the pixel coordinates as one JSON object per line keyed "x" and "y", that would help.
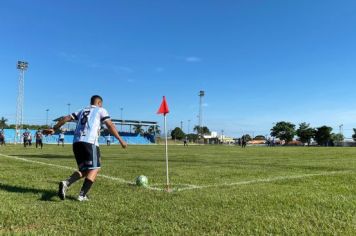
{"x": 22, "y": 67}
{"x": 188, "y": 126}
{"x": 340, "y": 128}
{"x": 222, "y": 136}
{"x": 121, "y": 109}
{"x": 68, "y": 104}
{"x": 201, "y": 95}
{"x": 47, "y": 117}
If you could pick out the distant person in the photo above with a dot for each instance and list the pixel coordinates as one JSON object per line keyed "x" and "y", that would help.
{"x": 30, "y": 139}
{"x": 185, "y": 141}
{"x": 61, "y": 138}
{"x": 268, "y": 142}
{"x": 85, "y": 144}
{"x": 26, "y": 138}
{"x": 2, "y": 138}
{"x": 108, "y": 140}
{"x": 243, "y": 142}
{"x": 39, "y": 137}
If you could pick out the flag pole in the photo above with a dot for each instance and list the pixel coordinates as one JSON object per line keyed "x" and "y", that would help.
{"x": 165, "y": 132}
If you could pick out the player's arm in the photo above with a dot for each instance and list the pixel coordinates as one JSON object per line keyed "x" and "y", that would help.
{"x": 59, "y": 124}
{"x": 112, "y": 129}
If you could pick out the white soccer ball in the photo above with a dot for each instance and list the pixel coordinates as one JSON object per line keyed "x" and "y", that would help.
{"x": 141, "y": 181}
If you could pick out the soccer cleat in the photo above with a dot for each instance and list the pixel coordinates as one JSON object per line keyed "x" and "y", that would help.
{"x": 62, "y": 190}
{"x": 83, "y": 198}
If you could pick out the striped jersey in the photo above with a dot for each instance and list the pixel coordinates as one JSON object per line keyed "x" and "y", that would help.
{"x": 89, "y": 121}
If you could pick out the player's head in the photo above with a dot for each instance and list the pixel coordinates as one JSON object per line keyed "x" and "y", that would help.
{"x": 96, "y": 100}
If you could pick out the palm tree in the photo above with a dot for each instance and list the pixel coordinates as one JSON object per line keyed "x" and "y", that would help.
{"x": 138, "y": 129}
{"x": 3, "y": 122}
{"x": 154, "y": 130}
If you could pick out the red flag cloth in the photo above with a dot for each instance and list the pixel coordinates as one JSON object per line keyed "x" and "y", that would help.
{"x": 163, "y": 109}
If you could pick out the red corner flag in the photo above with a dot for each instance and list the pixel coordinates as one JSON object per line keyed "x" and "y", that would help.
{"x": 163, "y": 109}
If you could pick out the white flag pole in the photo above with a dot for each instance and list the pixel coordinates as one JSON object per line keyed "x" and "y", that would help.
{"x": 165, "y": 131}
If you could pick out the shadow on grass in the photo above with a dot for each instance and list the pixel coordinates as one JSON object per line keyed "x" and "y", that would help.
{"x": 46, "y": 195}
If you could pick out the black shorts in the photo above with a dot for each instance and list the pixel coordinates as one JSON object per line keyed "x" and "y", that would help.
{"x": 87, "y": 156}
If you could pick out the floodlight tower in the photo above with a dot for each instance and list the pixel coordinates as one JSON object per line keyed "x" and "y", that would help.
{"x": 341, "y": 130}
{"x": 68, "y": 104}
{"x": 201, "y": 95}
{"x": 21, "y": 66}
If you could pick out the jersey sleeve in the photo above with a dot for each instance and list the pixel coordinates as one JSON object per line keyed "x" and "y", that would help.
{"x": 104, "y": 115}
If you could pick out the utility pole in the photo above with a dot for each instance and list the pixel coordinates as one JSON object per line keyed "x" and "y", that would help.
{"x": 47, "y": 117}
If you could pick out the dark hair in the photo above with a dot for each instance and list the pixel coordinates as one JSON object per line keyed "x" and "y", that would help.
{"x": 93, "y": 99}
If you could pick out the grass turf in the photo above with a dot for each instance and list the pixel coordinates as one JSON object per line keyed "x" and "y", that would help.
{"x": 221, "y": 201}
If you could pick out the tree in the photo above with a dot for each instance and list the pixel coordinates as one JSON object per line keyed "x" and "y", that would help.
{"x": 284, "y": 131}
{"x": 246, "y": 137}
{"x": 152, "y": 130}
{"x": 177, "y": 133}
{"x": 323, "y": 135}
{"x": 202, "y": 130}
{"x": 259, "y": 137}
{"x": 138, "y": 129}
{"x": 354, "y": 135}
{"x": 3, "y": 123}
{"x": 192, "y": 137}
{"x": 337, "y": 137}
{"x": 305, "y": 133}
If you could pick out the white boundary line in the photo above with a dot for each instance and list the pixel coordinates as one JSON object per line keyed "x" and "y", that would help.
{"x": 272, "y": 179}
{"x": 190, "y": 186}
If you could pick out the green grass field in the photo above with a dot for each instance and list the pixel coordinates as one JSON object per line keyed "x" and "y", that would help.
{"x": 217, "y": 190}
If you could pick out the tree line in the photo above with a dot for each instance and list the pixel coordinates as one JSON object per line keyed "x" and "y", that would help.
{"x": 323, "y": 135}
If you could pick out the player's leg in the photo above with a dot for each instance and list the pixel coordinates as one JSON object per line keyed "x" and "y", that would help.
{"x": 79, "y": 153}
{"x": 65, "y": 184}
{"x": 88, "y": 182}
{"x": 92, "y": 170}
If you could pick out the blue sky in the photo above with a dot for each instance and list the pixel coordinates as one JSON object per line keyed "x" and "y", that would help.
{"x": 258, "y": 61}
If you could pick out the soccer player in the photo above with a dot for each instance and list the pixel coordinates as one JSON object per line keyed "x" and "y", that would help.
{"x": 61, "y": 138}
{"x": 26, "y": 138}
{"x": 39, "y": 137}
{"x": 2, "y": 138}
{"x": 108, "y": 140}
{"x": 85, "y": 144}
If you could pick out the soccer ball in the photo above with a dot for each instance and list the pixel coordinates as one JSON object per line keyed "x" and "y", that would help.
{"x": 141, "y": 181}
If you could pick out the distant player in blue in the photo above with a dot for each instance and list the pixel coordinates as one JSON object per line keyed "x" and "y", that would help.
{"x": 61, "y": 138}
{"x": 85, "y": 144}
{"x": 108, "y": 140}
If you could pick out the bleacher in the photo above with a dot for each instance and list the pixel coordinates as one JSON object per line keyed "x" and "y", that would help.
{"x": 130, "y": 138}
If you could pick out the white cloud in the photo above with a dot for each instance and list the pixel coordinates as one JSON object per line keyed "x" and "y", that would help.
{"x": 193, "y": 59}
{"x": 159, "y": 69}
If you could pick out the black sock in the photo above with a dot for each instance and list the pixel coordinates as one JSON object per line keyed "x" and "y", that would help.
{"x": 86, "y": 187}
{"x": 73, "y": 178}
